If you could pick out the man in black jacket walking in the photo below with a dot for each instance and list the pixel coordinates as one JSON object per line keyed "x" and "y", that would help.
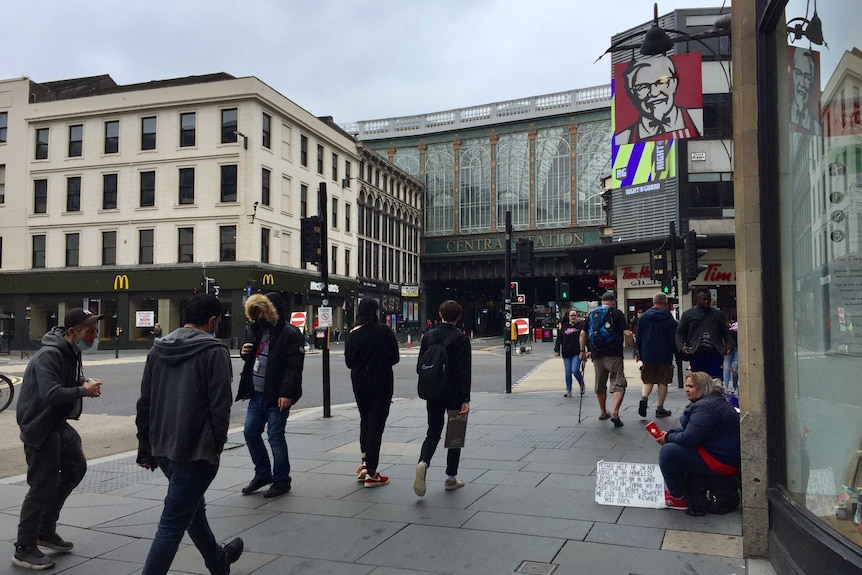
{"x": 702, "y": 335}
{"x": 271, "y": 380}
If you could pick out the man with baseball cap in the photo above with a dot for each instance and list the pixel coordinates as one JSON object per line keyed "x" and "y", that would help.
{"x": 52, "y": 393}
{"x": 608, "y": 360}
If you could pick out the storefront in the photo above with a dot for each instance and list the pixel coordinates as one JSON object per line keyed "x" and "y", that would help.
{"x": 809, "y": 143}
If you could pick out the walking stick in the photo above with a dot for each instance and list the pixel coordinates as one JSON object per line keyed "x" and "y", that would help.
{"x": 581, "y": 396}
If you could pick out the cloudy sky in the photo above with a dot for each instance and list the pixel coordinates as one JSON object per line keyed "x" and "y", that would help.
{"x": 343, "y": 58}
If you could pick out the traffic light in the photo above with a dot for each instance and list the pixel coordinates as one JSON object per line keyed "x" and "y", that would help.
{"x": 657, "y": 267}
{"x": 690, "y": 254}
{"x": 564, "y": 291}
{"x": 310, "y": 232}
{"x": 524, "y": 257}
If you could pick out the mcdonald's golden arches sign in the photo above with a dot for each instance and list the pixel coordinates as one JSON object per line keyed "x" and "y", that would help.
{"x": 121, "y": 282}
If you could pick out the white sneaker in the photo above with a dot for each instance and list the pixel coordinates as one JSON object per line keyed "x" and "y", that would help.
{"x": 419, "y": 481}
{"x": 454, "y": 484}
{"x": 568, "y": 393}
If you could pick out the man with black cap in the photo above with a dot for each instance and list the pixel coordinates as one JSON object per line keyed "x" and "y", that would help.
{"x": 608, "y": 356}
{"x": 271, "y": 380}
{"x": 52, "y": 393}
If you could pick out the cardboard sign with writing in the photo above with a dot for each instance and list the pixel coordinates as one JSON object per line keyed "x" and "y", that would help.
{"x": 629, "y": 484}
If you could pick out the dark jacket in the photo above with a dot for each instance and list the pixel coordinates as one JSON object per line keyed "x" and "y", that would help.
{"x": 568, "y": 342}
{"x": 184, "y": 409}
{"x": 691, "y": 327}
{"x": 52, "y": 390}
{"x": 286, "y": 353}
{"x": 713, "y": 423}
{"x": 655, "y": 336}
{"x": 459, "y": 377}
{"x": 370, "y": 352}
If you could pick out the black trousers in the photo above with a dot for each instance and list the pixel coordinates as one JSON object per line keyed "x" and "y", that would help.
{"x": 54, "y": 469}
{"x": 436, "y": 422}
{"x": 373, "y": 401}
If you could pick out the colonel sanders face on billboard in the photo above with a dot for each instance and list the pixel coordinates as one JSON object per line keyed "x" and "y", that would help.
{"x": 805, "y": 96}
{"x": 653, "y": 86}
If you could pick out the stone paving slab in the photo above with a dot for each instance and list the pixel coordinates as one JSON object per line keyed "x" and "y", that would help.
{"x": 530, "y": 496}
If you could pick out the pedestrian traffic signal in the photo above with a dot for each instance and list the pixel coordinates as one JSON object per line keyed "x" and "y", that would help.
{"x": 564, "y": 291}
{"x": 657, "y": 267}
{"x": 690, "y": 254}
{"x": 310, "y": 244}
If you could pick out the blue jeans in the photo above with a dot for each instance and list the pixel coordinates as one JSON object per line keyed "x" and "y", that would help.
{"x": 185, "y": 510}
{"x": 258, "y": 416}
{"x": 731, "y": 368}
{"x": 573, "y": 367}
{"x": 675, "y": 461}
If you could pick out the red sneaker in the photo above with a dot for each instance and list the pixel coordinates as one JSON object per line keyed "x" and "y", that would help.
{"x": 375, "y": 480}
{"x": 671, "y": 502}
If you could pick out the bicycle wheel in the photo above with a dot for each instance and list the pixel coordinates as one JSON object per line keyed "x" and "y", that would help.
{"x": 7, "y": 392}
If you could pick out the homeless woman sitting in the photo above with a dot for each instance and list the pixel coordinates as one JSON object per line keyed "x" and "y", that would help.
{"x": 704, "y": 442}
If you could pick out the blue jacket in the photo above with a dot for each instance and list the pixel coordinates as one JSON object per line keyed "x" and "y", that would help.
{"x": 712, "y": 422}
{"x": 655, "y": 336}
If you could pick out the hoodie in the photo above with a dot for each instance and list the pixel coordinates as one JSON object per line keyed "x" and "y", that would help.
{"x": 286, "y": 351}
{"x": 655, "y": 336}
{"x": 52, "y": 390}
{"x": 184, "y": 409}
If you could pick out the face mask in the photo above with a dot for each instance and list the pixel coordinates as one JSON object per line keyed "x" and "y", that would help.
{"x": 82, "y": 345}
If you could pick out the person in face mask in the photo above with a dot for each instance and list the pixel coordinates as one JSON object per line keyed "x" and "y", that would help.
{"x": 271, "y": 379}
{"x": 51, "y": 393}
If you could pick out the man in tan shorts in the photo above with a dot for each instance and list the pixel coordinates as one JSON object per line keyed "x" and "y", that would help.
{"x": 655, "y": 348}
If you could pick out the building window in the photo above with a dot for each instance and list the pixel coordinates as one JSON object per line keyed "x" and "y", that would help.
{"x": 42, "y": 143}
{"x": 347, "y": 171}
{"x": 148, "y": 133}
{"x": 303, "y": 200}
{"x": 145, "y": 246}
{"x": 334, "y": 264}
{"x": 264, "y": 186}
{"x": 2, "y": 183}
{"x": 76, "y": 141}
{"x": 38, "y": 251}
{"x": 347, "y": 208}
{"x": 109, "y": 248}
{"x": 228, "y": 183}
{"x": 148, "y": 189}
{"x": 319, "y": 159}
{"x": 73, "y": 194}
{"x": 513, "y": 180}
{"x": 73, "y": 242}
{"x": 335, "y": 167}
{"x": 264, "y": 245}
{"x": 266, "y": 132}
{"x": 475, "y": 186}
{"x": 711, "y": 191}
{"x": 112, "y": 137}
{"x": 227, "y": 243}
{"x": 347, "y": 263}
{"x": 4, "y": 121}
{"x": 334, "y": 213}
{"x": 303, "y": 150}
{"x": 286, "y": 195}
{"x": 40, "y": 197}
{"x": 286, "y": 135}
{"x": 187, "y": 129}
{"x": 439, "y": 190}
{"x": 228, "y": 126}
{"x": 109, "y": 192}
{"x": 187, "y": 185}
{"x": 553, "y": 178}
{"x": 186, "y": 245}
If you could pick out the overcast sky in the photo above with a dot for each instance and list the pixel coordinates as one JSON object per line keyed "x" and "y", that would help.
{"x": 347, "y": 59}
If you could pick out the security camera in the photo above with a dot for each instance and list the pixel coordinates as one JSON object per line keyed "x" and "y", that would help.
{"x": 255, "y": 204}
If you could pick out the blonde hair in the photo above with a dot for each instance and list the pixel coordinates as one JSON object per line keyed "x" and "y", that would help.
{"x": 704, "y": 384}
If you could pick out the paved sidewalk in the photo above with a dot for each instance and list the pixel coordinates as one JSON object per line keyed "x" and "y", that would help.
{"x": 528, "y": 506}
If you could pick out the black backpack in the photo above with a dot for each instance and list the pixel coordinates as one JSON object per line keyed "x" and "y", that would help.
{"x": 601, "y": 329}
{"x": 432, "y": 365}
{"x": 718, "y": 494}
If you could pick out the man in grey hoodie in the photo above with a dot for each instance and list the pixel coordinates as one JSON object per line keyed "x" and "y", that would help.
{"x": 183, "y": 417}
{"x": 52, "y": 393}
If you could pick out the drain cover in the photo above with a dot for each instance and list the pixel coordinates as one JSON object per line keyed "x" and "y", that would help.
{"x": 536, "y": 568}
